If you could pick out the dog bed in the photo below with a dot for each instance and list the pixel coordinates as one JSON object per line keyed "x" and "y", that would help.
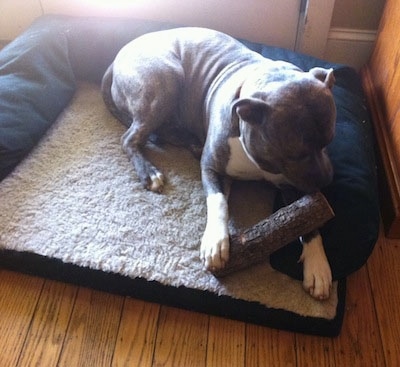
{"x": 74, "y": 211}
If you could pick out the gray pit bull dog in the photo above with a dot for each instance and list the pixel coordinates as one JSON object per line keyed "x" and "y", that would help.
{"x": 256, "y": 119}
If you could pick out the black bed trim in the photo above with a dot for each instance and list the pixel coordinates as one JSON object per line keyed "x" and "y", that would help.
{"x": 182, "y": 297}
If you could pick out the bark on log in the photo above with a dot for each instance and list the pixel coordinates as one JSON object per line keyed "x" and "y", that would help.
{"x": 256, "y": 243}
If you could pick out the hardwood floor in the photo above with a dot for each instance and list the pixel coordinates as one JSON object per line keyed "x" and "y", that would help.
{"x": 47, "y": 323}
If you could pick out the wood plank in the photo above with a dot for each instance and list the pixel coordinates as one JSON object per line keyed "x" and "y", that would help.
{"x": 383, "y": 62}
{"x": 359, "y": 343}
{"x": 49, "y": 325}
{"x": 385, "y": 282}
{"x": 314, "y": 351}
{"x": 388, "y": 175}
{"x": 226, "y": 342}
{"x": 181, "y": 338}
{"x": 137, "y": 334}
{"x": 19, "y": 295}
{"x": 381, "y": 82}
{"x": 93, "y": 329}
{"x": 269, "y": 347}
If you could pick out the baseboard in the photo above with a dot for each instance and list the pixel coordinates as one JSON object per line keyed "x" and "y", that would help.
{"x": 349, "y": 46}
{"x": 351, "y": 34}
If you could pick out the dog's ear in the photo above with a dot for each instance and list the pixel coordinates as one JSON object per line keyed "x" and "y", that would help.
{"x": 324, "y": 75}
{"x": 252, "y": 110}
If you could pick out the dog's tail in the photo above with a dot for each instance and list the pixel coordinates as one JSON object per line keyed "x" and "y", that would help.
{"x": 106, "y": 84}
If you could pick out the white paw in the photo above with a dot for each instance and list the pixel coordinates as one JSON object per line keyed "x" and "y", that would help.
{"x": 317, "y": 275}
{"x": 214, "y": 250}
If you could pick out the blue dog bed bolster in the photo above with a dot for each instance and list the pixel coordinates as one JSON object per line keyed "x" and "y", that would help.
{"x": 36, "y": 83}
{"x": 39, "y": 69}
{"x": 38, "y": 73}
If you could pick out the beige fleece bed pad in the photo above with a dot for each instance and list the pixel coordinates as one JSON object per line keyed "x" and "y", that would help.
{"x": 76, "y": 199}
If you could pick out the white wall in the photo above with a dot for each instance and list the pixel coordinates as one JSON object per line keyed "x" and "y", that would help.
{"x": 353, "y": 31}
{"x": 349, "y": 46}
{"x": 265, "y": 21}
{"x": 16, "y": 15}
{"x": 357, "y": 14}
{"x": 348, "y": 38}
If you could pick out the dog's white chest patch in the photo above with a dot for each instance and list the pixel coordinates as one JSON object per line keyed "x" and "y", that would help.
{"x": 242, "y": 166}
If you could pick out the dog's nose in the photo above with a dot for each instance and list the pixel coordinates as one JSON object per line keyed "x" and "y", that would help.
{"x": 322, "y": 171}
{"x": 315, "y": 180}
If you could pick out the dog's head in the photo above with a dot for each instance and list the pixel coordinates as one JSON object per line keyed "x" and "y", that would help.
{"x": 287, "y": 123}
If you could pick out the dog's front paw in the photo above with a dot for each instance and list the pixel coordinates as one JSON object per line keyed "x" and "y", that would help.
{"x": 317, "y": 275}
{"x": 214, "y": 250}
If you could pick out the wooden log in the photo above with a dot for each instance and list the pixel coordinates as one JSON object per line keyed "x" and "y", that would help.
{"x": 256, "y": 243}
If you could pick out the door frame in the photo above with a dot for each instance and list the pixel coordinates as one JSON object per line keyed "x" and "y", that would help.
{"x": 314, "y": 25}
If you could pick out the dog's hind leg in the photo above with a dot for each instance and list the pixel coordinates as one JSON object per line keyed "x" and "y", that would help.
{"x": 317, "y": 274}
{"x": 150, "y": 97}
{"x": 133, "y": 141}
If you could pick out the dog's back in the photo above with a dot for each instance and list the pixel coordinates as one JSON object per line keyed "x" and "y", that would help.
{"x": 175, "y": 65}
